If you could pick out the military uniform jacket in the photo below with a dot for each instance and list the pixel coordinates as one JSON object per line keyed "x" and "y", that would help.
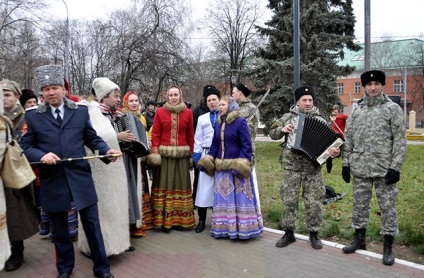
{"x": 375, "y": 138}
{"x": 65, "y": 181}
{"x": 249, "y": 111}
{"x": 294, "y": 161}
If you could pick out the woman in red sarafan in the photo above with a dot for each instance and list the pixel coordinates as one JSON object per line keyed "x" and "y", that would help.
{"x": 172, "y": 146}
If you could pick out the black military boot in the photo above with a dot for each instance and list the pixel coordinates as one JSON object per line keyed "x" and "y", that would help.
{"x": 14, "y": 262}
{"x": 17, "y": 257}
{"x": 286, "y": 239}
{"x": 315, "y": 241}
{"x": 388, "y": 258}
{"x": 357, "y": 243}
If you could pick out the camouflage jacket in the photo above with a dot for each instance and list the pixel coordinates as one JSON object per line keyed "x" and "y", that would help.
{"x": 375, "y": 138}
{"x": 249, "y": 111}
{"x": 290, "y": 160}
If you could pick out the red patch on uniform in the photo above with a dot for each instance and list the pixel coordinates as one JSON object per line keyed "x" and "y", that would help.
{"x": 24, "y": 129}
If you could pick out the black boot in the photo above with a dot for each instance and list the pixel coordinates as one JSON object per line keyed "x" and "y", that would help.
{"x": 17, "y": 257}
{"x": 200, "y": 227}
{"x": 201, "y": 211}
{"x": 286, "y": 239}
{"x": 315, "y": 241}
{"x": 388, "y": 258}
{"x": 357, "y": 243}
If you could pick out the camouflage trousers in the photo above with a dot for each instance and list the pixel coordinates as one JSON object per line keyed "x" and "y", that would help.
{"x": 313, "y": 192}
{"x": 386, "y": 196}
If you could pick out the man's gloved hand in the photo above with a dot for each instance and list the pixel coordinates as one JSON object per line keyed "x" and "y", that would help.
{"x": 346, "y": 174}
{"x": 392, "y": 176}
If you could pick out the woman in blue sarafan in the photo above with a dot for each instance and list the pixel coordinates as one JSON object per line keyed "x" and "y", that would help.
{"x": 235, "y": 212}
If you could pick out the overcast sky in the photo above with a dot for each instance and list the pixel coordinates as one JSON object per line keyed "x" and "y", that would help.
{"x": 394, "y": 18}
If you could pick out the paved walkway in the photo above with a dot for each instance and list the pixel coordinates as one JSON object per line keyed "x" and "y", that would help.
{"x": 188, "y": 254}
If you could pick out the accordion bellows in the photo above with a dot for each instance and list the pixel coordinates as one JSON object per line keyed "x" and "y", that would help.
{"x": 314, "y": 137}
{"x": 133, "y": 124}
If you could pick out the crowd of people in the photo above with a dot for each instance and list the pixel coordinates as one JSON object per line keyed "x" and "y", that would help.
{"x": 113, "y": 202}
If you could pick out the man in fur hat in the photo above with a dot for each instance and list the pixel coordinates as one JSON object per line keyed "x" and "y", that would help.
{"x": 56, "y": 129}
{"x": 28, "y": 99}
{"x": 202, "y": 142}
{"x": 374, "y": 164}
{"x": 197, "y": 112}
{"x": 300, "y": 172}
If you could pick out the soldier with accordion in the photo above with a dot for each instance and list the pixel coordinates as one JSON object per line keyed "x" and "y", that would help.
{"x": 309, "y": 142}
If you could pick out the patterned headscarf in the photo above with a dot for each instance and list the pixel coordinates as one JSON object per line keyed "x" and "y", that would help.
{"x": 232, "y": 106}
{"x": 126, "y": 97}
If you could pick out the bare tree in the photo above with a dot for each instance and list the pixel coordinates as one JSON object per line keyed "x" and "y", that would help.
{"x": 232, "y": 25}
{"x": 14, "y": 14}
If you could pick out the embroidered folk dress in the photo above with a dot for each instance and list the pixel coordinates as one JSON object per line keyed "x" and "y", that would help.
{"x": 172, "y": 145}
{"x": 235, "y": 211}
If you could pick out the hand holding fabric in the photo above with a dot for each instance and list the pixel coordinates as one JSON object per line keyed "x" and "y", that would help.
{"x": 346, "y": 174}
{"x": 392, "y": 176}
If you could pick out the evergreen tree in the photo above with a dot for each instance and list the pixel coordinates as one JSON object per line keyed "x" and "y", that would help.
{"x": 326, "y": 27}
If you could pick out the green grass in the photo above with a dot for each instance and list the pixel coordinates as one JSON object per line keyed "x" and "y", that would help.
{"x": 337, "y": 215}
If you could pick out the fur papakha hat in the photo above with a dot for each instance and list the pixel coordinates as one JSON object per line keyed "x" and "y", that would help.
{"x": 304, "y": 91}
{"x": 26, "y": 95}
{"x": 49, "y": 75}
{"x": 210, "y": 90}
{"x": 103, "y": 86}
{"x": 373, "y": 75}
{"x": 206, "y": 88}
{"x": 243, "y": 89}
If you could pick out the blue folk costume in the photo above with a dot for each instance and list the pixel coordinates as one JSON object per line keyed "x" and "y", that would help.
{"x": 235, "y": 210}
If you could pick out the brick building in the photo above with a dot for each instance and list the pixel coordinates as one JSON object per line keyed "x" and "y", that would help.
{"x": 396, "y": 59}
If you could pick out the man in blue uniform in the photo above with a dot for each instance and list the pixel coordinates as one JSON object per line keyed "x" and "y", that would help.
{"x": 58, "y": 129}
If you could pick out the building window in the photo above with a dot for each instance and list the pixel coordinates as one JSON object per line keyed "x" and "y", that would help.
{"x": 357, "y": 87}
{"x": 398, "y": 86}
{"x": 340, "y": 88}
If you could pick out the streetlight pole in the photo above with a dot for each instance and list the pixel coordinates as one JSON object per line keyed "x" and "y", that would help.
{"x": 296, "y": 45}
{"x": 405, "y": 86}
{"x": 66, "y": 62}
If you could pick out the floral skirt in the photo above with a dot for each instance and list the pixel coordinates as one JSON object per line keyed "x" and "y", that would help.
{"x": 171, "y": 196}
{"x": 235, "y": 212}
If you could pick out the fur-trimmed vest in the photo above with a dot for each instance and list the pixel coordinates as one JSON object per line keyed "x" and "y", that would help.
{"x": 231, "y": 148}
{"x": 172, "y": 133}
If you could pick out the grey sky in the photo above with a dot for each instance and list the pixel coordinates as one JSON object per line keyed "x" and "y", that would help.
{"x": 398, "y": 19}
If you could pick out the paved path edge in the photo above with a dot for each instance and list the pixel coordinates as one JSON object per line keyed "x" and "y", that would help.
{"x": 340, "y": 246}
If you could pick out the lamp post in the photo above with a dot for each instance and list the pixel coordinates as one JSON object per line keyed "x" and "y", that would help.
{"x": 405, "y": 86}
{"x": 66, "y": 62}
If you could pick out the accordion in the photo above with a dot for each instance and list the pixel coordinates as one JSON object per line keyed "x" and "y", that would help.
{"x": 135, "y": 126}
{"x": 314, "y": 138}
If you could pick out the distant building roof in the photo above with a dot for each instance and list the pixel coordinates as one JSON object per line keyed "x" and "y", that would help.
{"x": 386, "y": 55}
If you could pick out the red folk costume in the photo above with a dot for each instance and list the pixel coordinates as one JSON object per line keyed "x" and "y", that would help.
{"x": 172, "y": 146}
